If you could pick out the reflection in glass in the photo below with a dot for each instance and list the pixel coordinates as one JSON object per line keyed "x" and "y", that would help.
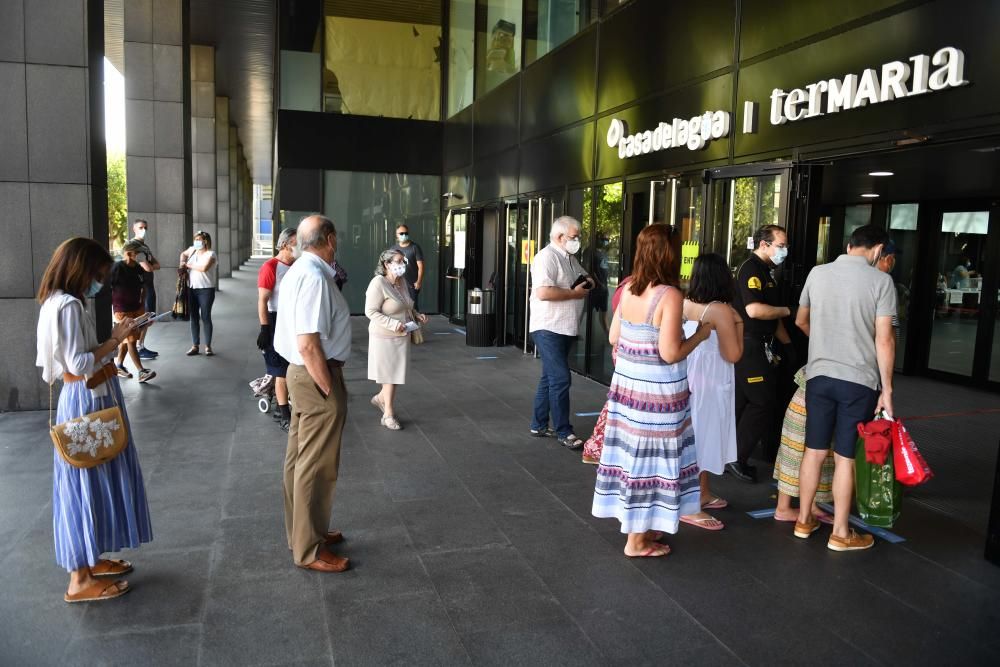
{"x": 549, "y": 23}
{"x": 367, "y": 208}
{"x": 498, "y": 43}
{"x": 605, "y": 257}
{"x": 755, "y": 202}
{"x": 958, "y": 295}
{"x": 461, "y": 45}
{"x": 903, "y": 232}
{"x": 382, "y": 68}
{"x": 579, "y": 206}
{"x": 300, "y": 81}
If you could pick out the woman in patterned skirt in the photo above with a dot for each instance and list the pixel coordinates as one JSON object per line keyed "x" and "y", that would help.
{"x": 648, "y": 474}
{"x": 103, "y": 508}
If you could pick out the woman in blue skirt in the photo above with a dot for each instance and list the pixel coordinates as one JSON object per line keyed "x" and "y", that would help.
{"x": 103, "y": 508}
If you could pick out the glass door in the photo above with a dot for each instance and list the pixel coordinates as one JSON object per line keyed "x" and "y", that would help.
{"x": 456, "y": 238}
{"x": 965, "y": 294}
{"x": 604, "y": 262}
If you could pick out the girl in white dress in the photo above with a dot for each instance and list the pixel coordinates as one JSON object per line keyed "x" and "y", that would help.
{"x": 710, "y": 376}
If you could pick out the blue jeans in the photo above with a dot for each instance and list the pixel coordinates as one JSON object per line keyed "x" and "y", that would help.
{"x": 553, "y": 387}
{"x": 200, "y": 301}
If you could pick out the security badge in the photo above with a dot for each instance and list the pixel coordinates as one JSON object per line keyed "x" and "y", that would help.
{"x": 754, "y": 283}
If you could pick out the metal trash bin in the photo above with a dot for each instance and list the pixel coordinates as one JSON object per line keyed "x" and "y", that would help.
{"x": 480, "y": 317}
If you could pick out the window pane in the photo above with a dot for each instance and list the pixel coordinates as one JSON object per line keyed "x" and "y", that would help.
{"x": 367, "y": 208}
{"x": 549, "y": 23}
{"x": 461, "y": 44}
{"x": 382, "y": 68}
{"x": 300, "y": 81}
{"x": 903, "y": 230}
{"x": 579, "y": 207}
{"x": 499, "y": 39}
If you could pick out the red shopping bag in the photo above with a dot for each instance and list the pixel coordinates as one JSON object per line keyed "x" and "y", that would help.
{"x": 911, "y": 468}
{"x": 877, "y": 435}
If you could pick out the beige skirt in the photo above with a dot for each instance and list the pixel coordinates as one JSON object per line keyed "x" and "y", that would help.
{"x": 388, "y": 358}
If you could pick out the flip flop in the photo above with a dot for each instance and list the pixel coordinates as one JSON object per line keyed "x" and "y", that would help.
{"x": 111, "y": 568}
{"x": 101, "y": 590}
{"x": 716, "y": 503}
{"x": 703, "y": 523}
{"x": 589, "y": 460}
{"x": 377, "y": 402}
{"x": 655, "y": 550}
{"x": 823, "y": 517}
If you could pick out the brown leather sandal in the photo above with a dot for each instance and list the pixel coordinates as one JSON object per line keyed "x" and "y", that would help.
{"x": 101, "y": 590}
{"x": 111, "y": 568}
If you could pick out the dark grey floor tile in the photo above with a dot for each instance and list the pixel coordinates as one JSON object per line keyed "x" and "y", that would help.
{"x": 406, "y": 630}
{"x": 37, "y": 631}
{"x": 510, "y": 491}
{"x": 250, "y": 548}
{"x": 271, "y": 620}
{"x": 167, "y": 589}
{"x": 252, "y": 493}
{"x": 383, "y": 565}
{"x": 545, "y": 643}
{"x": 162, "y": 646}
{"x": 490, "y": 588}
{"x": 446, "y": 524}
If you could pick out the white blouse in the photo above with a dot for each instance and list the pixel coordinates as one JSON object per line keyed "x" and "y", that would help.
{"x": 66, "y": 337}
{"x": 200, "y": 258}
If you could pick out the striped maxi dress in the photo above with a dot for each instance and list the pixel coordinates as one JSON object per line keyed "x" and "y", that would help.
{"x": 793, "y": 448}
{"x": 648, "y": 474}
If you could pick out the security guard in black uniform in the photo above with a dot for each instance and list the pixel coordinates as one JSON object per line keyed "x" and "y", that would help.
{"x": 757, "y": 371}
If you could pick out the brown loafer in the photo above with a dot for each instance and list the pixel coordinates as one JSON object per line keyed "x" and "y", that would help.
{"x": 853, "y": 542}
{"x": 327, "y": 561}
{"x": 804, "y": 530}
{"x": 334, "y": 537}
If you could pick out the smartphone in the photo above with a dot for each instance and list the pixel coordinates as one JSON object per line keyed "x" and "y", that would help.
{"x": 580, "y": 279}
{"x": 147, "y": 319}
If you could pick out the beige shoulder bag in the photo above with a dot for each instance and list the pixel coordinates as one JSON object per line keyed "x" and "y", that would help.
{"x": 94, "y": 438}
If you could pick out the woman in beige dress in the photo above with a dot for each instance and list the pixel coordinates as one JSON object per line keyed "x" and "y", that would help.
{"x": 390, "y": 309}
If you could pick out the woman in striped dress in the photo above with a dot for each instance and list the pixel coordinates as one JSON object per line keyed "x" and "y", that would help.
{"x": 103, "y": 508}
{"x": 648, "y": 474}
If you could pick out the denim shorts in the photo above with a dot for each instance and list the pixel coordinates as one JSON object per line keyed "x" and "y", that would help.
{"x": 834, "y": 408}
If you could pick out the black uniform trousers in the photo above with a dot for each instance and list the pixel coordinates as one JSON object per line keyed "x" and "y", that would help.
{"x": 756, "y": 397}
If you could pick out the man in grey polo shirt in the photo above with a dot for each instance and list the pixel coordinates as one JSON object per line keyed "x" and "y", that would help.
{"x": 846, "y": 309}
{"x": 557, "y": 300}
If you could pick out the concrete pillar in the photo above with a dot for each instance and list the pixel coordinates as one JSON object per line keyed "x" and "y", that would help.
{"x": 240, "y": 212}
{"x": 223, "y": 241}
{"x": 53, "y": 175}
{"x": 203, "y": 175}
{"x": 234, "y": 220}
{"x": 157, "y": 126}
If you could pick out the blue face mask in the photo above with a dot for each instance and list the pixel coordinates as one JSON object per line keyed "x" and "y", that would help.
{"x": 94, "y": 288}
{"x": 198, "y": 245}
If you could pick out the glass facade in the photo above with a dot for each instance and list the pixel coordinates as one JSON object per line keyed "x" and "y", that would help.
{"x": 366, "y": 209}
{"x": 299, "y": 80}
{"x": 605, "y": 261}
{"x": 382, "y": 68}
{"x": 461, "y": 52}
{"x": 498, "y": 43}
{"x": 549, "y": 23}
{"x": 755, "y": 202}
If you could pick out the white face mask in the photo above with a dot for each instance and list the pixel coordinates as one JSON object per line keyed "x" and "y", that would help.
{"x": 198, "y": 245}
{"x": 140, "y": 233}
{"x": 397, "y": 270}
{"x": 572, "y": 246}
{"x": 779, "y": 255}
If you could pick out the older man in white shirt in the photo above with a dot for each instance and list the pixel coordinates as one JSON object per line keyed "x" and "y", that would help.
{"x": 559, "y": 286}
{"x": 313, "y": 332}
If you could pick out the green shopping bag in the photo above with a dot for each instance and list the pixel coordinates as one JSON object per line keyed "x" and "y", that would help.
{"x": 879, "y": 494}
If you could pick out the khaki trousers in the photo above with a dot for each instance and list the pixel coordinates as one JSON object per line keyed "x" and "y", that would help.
{"x": 312, "y": 460}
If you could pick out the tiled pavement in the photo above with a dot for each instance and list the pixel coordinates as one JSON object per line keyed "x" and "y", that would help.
{"x": 471, "y": 542}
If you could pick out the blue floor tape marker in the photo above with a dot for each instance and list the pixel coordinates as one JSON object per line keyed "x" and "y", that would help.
{"x": 442, "y": 333}
{"x": 762, "y": 514}
{"x": 485, "y": 357}
{"x": 886, "y": 535}
{"x": 587, "y": 414}
{"x": 461, "y": 331}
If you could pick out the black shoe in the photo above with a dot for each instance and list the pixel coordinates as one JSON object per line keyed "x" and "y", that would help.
{"x": 543, "y": 433}
{"x": 571, "y": 442}
{"x": 742, "y": 471}
{"x": 283, "y": 425}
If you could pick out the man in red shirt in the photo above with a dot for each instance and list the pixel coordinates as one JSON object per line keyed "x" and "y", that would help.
{"x": 268, "y": 282}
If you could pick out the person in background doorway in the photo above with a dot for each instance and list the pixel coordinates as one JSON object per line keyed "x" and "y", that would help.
{"x": 199, "y": 260}
{"x": 268, "y": 281}
{"x": 596, "y": 259}
{"x": 414, "y": 263}
{"x": 101, "y": 509}
{"x": 559, "y": 287}
{"x": 710, "y": 376}
{"x": 756, "y": 372}
{"x": 648, "y": 475}
{"x": 313, "y": 332}
{"x": 127, "y": 301}
{"x": 389, "y": 307}
{"x": 793, "y": 435}
{"x": 961, "y": 274}
{"x": 149, "y": 264}
{"x": 846, "y": 309}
